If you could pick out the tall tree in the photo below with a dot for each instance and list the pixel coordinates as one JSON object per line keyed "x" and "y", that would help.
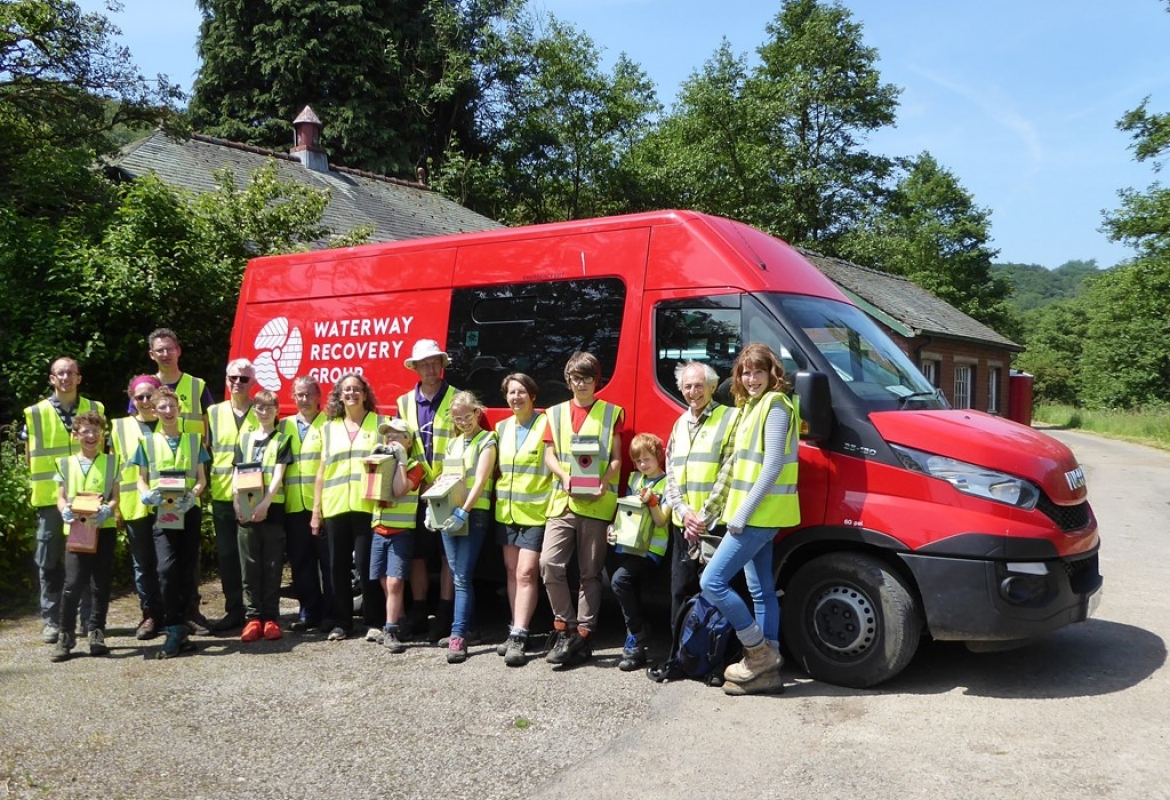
{"x": 930, "y": 230}
{"x": 393, "y": 81}
{"x": 558, "y": 128}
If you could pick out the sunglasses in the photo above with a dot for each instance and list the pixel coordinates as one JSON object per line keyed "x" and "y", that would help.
{"x": 239, "y": 378}
{"x": 142, "y": 398}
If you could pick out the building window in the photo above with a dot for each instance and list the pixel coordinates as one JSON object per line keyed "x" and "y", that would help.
{"x": 963, "y": 384}
{"x": 993, "y": 375}
{"x": 930, "y": 372}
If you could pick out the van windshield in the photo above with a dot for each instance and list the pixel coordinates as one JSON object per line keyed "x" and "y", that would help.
{"x": 850, "y": 345}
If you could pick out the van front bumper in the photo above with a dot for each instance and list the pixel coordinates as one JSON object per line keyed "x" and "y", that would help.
{"x": 971, "y": 599}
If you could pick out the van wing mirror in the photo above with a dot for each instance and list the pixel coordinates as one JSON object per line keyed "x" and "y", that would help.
{"x": 816, "y": 406}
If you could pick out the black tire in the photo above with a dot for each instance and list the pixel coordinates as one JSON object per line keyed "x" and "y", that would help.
{"x": 850, "y": 620}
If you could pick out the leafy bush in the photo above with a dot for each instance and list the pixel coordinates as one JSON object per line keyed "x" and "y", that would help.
{"x": 17, "y": 521}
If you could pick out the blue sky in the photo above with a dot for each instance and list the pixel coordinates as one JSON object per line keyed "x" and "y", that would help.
{"x": 1018, "y": 98}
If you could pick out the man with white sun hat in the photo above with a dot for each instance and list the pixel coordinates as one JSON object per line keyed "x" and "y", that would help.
{"x": 426, "y": 408}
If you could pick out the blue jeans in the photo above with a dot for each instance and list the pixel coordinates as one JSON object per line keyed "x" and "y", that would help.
{"x": 462, "y": 553}
{"x": 750, "y": 551}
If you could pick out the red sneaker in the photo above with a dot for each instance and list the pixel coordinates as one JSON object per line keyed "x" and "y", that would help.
{"x": 272, "y": 631}
{"x": 251, "y": 632}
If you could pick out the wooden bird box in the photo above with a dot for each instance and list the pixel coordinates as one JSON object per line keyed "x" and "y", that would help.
{"x": 633, "y": 526}
{"x": 378, "y": 483}
{"x": 585, "y": 466}
{"x": 83, "y": 530}
{"x": 172, "y": 485}
{"x": 249, "y": 487}
{"x": 446, "y": 494}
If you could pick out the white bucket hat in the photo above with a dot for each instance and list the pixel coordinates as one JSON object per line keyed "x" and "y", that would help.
{"x": 425, "y": 348}
{"x": 394, "y": 424}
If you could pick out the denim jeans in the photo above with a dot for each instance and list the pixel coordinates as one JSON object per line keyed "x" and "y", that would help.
{"x": 750, "y": 551}
{"x": 462, "y": 553}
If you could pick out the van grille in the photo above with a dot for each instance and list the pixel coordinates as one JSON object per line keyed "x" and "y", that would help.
{"x": 1067, "y": 518}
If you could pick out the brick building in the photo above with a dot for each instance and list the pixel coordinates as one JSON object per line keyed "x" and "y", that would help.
{"x": 964, "y": 358}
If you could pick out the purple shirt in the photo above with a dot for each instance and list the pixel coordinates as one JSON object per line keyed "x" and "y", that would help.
{"x": 426, "y": 417}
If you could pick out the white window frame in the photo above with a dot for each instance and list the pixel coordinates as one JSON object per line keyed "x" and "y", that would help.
{"x": 994, "y": 376}
{"x": 964, "y": 388}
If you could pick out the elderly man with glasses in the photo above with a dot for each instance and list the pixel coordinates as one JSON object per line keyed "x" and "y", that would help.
{"x": 227, "y": 422}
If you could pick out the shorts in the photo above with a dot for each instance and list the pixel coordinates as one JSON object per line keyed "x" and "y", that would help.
{"x": 390, "y": 555}
{"x": 522, "y": 536}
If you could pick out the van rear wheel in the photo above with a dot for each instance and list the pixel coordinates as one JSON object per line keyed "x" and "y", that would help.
{"x": 850, "y": 620}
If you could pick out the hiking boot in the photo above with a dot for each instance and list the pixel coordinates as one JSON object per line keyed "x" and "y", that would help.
{"x": 147, "y": 629}
{"x": 373, "y": 635}
{"x": 64, "y": 649}
{"x": 766, "y": 683}
{"x": 633, "y": 654}
{"x": 97, "y": 643}
{"x": 558, "y": 653}
{"x": 572, "y": 648}
{"x": 514, "y": 655}
{"x": 471, "y": 637}
{"x": 272, "y": 631}
{"x": 757, "y": 661}
{"x": 50, "y": 633}
{"x": 252, "y": 631}
{"x": 391, "y": 641}
{"x": 176, "y": 636}
{"x": 457, "y": 650}
{"x": 502, "y": 647}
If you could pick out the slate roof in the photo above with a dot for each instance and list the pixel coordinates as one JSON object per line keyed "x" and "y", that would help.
{"x": 396, "y": 208}
{"x": 903, "y": 306}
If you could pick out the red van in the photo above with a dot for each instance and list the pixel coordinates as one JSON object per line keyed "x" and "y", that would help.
{"x": 916, "y": 518}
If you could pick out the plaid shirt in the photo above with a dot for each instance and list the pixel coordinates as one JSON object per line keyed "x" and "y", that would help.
{"x": 713, "y": 507}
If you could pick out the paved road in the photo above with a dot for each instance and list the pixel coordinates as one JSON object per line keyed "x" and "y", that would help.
{"x": 1080, "y": 714}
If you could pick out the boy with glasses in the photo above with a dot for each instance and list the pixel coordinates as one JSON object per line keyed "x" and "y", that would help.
{"x": 227, "y": 422}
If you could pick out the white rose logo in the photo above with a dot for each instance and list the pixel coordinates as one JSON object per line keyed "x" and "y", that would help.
{"x": 279, "y": 352}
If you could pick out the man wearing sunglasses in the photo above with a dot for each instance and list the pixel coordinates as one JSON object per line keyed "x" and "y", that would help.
{"x": 226, "y": 422}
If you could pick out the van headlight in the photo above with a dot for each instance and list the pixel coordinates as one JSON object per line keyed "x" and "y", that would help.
{"x": 971, "y": 479}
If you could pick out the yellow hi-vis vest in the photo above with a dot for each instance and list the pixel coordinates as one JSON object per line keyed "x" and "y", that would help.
{"x": 780, "y": 508}
{"x": 659, "y": 537}
{"x": 468, "y": 453}
{"x": 525, "y": 483}
{"x": 440, "y": 435}
{"x": 161, "y": 457}
{"x": 48, "y": 441}
{"x": 301, "y": 474}
{"x": 100, "y": 478}
{"x": 402, "y": 513}
{"x": 600, "y": 422}
{"x": 695, "y": 463}
{"x": 344, "y": 470}
{"x": 267, "y": 459}
{"x": 189, "y": 390}
{"x": 128, "y": 434}
{"x": 222, "y": 440}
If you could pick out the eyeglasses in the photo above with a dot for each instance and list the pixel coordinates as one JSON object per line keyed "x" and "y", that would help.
{"x": 463, "y": 419}
{"x": 583, "y": 380}
{"x": 143, "y": 398}
{"x": 239, "y": 378}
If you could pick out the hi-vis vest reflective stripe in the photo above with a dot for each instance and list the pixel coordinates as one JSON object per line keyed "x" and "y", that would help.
{"x": 441, "y": 430}
{"x": 48, "y": 441}
{"x": 300, "y": 475}
{"x": 267, "y": 458}
{"x": 128, "y": 433}
{"x": 780, "y": 508}
{"x": 161, "y": 457}
{"x": 222, "y": 440}
{"x": 344, "y": 471}
{"x": 695, "y": 464}
{"x": 659, "y": 537}
{"x": 401, "y": 515}
{"x": 468, "y": 453}
{"x": 189, "y": 390}
{"x": 525, "y": 483}
{"x": 602, "y": 423}
{"x": 98, "y": 479}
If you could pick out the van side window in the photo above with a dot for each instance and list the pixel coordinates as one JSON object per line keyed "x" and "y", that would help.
{"x": 532, "y": 328}
{"x": 703, "y": 329}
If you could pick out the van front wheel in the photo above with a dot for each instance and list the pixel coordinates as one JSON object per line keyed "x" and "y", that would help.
{"x": 850, "y": 620}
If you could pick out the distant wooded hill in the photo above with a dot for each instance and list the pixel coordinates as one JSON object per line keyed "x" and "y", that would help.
{"x": 1034, "y": 286}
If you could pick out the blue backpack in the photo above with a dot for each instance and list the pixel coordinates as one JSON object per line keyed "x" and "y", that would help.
{"x": 704, "y": 644}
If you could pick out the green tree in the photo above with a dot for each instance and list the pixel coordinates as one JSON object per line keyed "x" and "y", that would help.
{"x": 393, "y": 82}
{"x": 930, "y": 230}
{"x": 1056, "y": 336}
{"x": 558, "y": 128}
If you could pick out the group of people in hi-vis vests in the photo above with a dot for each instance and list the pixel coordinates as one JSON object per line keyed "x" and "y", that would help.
{"x": 544, "y": 483}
